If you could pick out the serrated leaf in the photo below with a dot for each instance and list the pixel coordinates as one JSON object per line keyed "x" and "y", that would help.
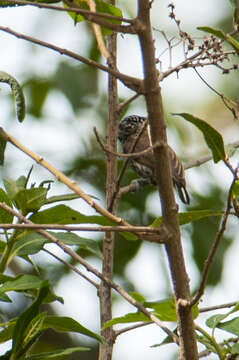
{"x": 5, "y": 216}
{"x": 66, "y": 324}
{"x": 55, "y": 354}
{"x": 30, "y": 200}
{"x": 62, "y": 214}
{"x": 212, "y": 137}
{"x": 190, "y": 216}
{"x": 17, "y": 93}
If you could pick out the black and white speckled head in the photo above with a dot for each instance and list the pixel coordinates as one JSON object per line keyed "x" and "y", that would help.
{"x": 129, "y": 125}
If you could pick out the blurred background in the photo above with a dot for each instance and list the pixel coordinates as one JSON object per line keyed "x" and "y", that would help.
{"x": 65, "y": 99}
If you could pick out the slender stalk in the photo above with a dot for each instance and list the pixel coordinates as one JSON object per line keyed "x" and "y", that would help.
{"x": 105, "y": 351}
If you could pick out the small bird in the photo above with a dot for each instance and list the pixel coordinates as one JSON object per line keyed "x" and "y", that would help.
{"x": 136, "y": 127}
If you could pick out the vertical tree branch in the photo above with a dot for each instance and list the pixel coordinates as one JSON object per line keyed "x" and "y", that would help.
{"x": 188, "y": 346}
{"x": 105, "y": 352}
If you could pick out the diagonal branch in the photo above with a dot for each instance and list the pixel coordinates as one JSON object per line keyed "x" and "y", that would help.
{"x": 212, "y": 253}
{"x": 131, "y": 82}
{"x": 96, "y": 17}
{"x": 94, "y": 271}
{"x": 162, "y": 233}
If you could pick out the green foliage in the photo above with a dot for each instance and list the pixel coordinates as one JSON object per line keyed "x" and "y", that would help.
{"x": 101, "y": 7}
{"x": 220, "y": 34}
{"x": 17, "y": 93}
{"x": 212, "y": 137}
{"x": 203, "y": 234}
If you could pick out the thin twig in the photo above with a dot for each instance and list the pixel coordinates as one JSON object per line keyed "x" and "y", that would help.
{"x": 214, "y": 247}
{"x": 125, "y": 103}
{"x": 216, "y": 307}
{"x": 132, "y": 327}
{"x": 94, "y": 271}
{"x": 34, "y": 226}
{"x": 72, "y": 267}
{"x": 121, "y": 155}
{"x": 131, "y": 82}
{"x": 193, "y": 163}
{"x": 223, "y": 98}
{"x": 63, "y": 178}
{"x": 97, "y": 17}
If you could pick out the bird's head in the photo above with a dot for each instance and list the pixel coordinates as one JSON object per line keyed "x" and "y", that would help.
{"x": 129, "y": 126}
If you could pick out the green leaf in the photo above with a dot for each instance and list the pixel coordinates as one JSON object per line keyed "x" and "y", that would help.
{"x": 7, "y": 332}
{"x": 3, "y": 143}
{"x": 138, "y": 297}
{"x": 213, "y": 139}
{"x": 66, "y": 324}
{"x": 5, "y": 217}
{"x": 235, "y": 189}
{"x": 17, "y": 93}
{"x": 29, "y": 284}
{"x": 12, "y": 187}
{"x": 29, "y": 244}
{"x": 221, "y": 35}
{"x": 101, "y": 7}
{"x": 33, "y": 330}
{"x": 55, "y": 354}
{"x": 4, "y": 297}
{"x": 30, "y": 200}
{"x": 23, "y": 282}
{"x": 231, "y": 326}
{"x": 62, "y": 214}
{"x": 215, "y": 320}
{"x": 84, "y": 243}
{"x": 190, "y": 216}
{"x": 218, "y": 33}
{"x": 38, "y": 90}
{"x": 165, "y": 309}
{"x": 24, "y": 320}
{"x": 128, "y": 318}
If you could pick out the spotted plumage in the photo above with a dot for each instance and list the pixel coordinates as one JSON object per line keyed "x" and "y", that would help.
{"x": 129, "y": 130}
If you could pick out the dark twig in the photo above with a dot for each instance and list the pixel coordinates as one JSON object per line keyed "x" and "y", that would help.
{"x": 130, "y": 82}
{"x": 98, "y": 18}
{"x": 216, "y": 307}
{"x": 214, "y": 247}
{"x": 121, "y": 155}
{"x": 223, "y": 98}
{"x": 73, "y": 268}
{"x": 34, "y": 226}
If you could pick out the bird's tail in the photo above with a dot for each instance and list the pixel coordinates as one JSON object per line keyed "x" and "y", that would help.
{"x": 183, "y": 194}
